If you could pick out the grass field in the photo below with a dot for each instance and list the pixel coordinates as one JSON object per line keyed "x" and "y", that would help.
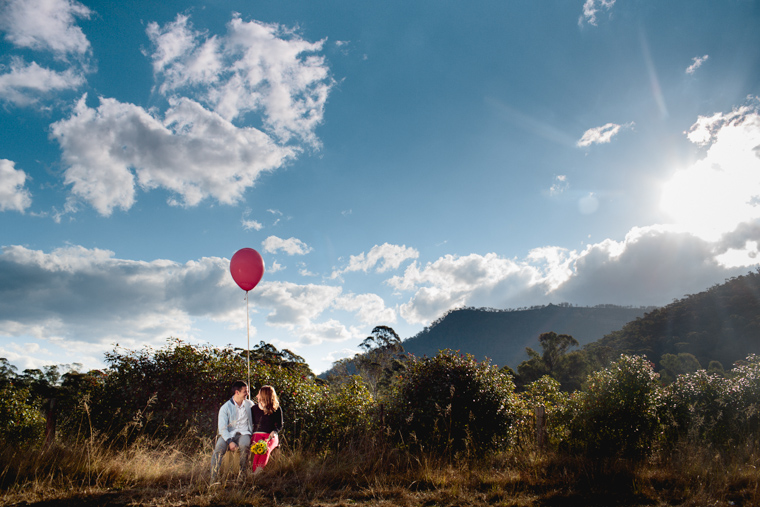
{"x": 149, "y": 473}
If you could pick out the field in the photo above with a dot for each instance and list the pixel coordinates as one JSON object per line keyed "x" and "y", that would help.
{"x": 150, "y": 473}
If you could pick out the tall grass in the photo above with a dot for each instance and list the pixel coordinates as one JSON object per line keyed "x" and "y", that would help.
{"x": 372, "y": 471}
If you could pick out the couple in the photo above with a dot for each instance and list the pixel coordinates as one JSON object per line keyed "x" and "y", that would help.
{"x": 242, "y": 422}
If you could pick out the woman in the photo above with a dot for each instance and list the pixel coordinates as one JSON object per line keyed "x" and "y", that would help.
{"x": 267, "y": 423}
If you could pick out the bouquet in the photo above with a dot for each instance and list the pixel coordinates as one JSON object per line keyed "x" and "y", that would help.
{"x": 259, "y": 447}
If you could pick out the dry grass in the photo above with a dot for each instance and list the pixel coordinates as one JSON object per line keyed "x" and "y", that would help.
{"x": 370, "y": 475}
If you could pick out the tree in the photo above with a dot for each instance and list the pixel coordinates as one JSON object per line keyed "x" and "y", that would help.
{"x": 568, "y": 369}
{"x": 452, "y": 403}
{"x": 673, "y": 365}
{"x": 382, "y": 357}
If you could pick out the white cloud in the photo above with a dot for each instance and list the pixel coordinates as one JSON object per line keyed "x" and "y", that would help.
{"x": 25, "y": 83}
{"x": 369, "y": 308}
{"x": 291, "y": 246}
{"x": 254, "y": 67}
{"x": 192, "y": 151}
{"x": 249, "y": 224}
{"x": 88, "y": 296}
{"x": 591, "y": 9}
{"x": 697, "y": 62}
{"x": 13, "y": 195}
{"x": 292, "y": 304}
{"x": 87, "y": 300}
{"x": 45, "y": 25}
{"x": 252, "y": 224}
{"x": 603, "y": 134}
{"x": 651, "y": 266}
{"x": 560, "y": 185}
{"x": 386, "y": 255}
{"x": 720, "y": 191}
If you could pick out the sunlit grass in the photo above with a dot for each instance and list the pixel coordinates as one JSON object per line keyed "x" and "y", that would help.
{"x": 373, "y": 473}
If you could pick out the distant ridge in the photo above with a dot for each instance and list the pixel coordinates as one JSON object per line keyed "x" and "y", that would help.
{"x": 502, "y": 335}
{"x": 719, "y": 324}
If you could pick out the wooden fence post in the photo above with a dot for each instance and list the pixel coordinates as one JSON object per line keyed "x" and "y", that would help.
{"x": 541, "y": 426}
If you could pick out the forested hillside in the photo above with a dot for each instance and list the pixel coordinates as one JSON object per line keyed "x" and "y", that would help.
{"x": 720, "y": 324}
{"x": 503, "y": 335}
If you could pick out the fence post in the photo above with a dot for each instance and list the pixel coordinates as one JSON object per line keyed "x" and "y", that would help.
{"x": 541, "y": 426}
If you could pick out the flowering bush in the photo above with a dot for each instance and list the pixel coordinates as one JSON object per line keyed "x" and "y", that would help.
{"x": 617, "y": 413}
{"x": 708, "y": 408}
{"x": 451, "y": 403}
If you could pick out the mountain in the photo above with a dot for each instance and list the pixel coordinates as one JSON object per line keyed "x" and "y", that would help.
{"x": 502, "y": 335}
{"x": 720, "y": 324}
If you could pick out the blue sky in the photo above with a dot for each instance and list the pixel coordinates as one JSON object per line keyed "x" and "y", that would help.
{"x": 390, "y": 161}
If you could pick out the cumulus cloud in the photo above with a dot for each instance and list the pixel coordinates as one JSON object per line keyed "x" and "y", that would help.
{"x": 197, "y": 148}
{"x": 388, "y": 257}
{"x": 721, "y": 190}
{"x": 112, "y": 149}
{"x": 291, "y": 246}
{"x": 49, "y": 27}
{"x": 248, "y": 223}
{"x": 89, "y": 299}
{"x": 13, "y": 195}
{"x": 651, "y": 266}
{"x": 45, "y": 25}
{"x": 26, "y": 83}
{"x": 591, "y": 8}
{"x": 89, "y": 296}
{"x": 369, "y": 308}
{"x": 715, "y": 234}
{"x": 254, "y": 67}
{"x": 603, "y": 134}
{"x": 696, "y": 63}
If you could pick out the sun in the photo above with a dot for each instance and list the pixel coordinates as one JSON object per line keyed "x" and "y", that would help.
{"x": 718, "y": 192}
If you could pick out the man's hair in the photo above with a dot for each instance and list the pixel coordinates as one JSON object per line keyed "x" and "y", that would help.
{"x": 237, "y": 386}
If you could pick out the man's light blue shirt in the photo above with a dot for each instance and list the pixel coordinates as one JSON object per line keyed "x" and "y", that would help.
{"x": 228, "y": 418}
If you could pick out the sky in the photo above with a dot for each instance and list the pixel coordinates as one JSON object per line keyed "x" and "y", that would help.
{"x": 391, "y": 161}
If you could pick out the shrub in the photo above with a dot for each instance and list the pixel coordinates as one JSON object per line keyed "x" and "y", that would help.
{"x": 349, "y": 413}
{"x": 20, "y": 420}
{"x": 451, "y": 403}
{"x": 546, "y": 392}
{"x": 616, "y": 415}
{"x": 163, "y": 393}
{"x": 695, "y": 408}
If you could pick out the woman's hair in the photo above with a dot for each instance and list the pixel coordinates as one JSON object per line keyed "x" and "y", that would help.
{"x": 269, "y": 401}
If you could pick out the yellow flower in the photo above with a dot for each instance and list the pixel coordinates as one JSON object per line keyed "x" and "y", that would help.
{"x": 259, "y": 447}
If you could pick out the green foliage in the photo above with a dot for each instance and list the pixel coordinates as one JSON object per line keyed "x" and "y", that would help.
{"x": 383, "y": 357}
{"x": 616, "y": 414}
{"x": 451, "y": 403}
{"x": 720, "y": 324}
{"x": 546, "y": 392}
{"x": 710, "y": 409}
{"x": 569, "y": 369}
{"x": 21, "y": 421}
{"x": 163, "y": 392}
{"x": 349, "y": 414}
{"x": 673, "y": 365}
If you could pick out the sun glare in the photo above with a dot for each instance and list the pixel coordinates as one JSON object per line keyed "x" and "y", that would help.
{"x": 718, "y": 192}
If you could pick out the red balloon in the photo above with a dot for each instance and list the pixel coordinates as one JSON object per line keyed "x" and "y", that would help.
{"x": 247, "y": 268}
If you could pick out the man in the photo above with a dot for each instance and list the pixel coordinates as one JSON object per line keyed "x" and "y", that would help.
{"x": 235, "y": 428}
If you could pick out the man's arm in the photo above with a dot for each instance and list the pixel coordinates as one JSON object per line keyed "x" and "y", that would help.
{"x": 224, "y": 425}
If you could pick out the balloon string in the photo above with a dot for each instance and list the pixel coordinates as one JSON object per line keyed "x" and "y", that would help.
{"x": 248, "y": 349}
